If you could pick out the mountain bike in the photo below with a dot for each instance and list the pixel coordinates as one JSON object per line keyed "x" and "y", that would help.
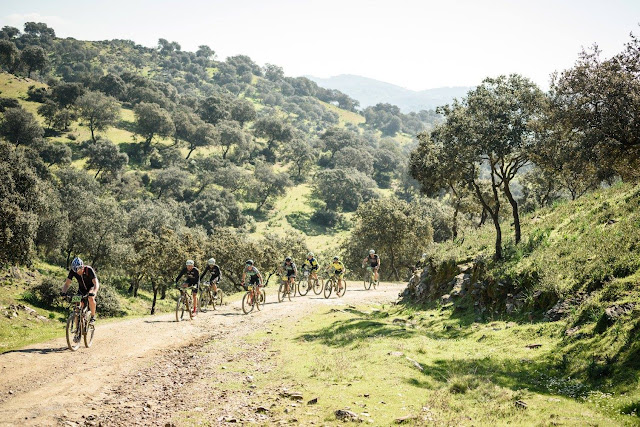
{"x": 286, "y": 288}
{"x": 307, "y": 283}
{"x": 369, "y": 278}
{"x": 255, "y": 297}
{"x": 331, "y": 284}
{"x": 184, "y": 302}
{"x": 208, "y": 298}
{"x": 78, "y": 325}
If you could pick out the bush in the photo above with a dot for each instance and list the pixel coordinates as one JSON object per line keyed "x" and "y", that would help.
{"x": 47, "y": 292}
{"x": 107, "y": 302}
{"x": 326, "y": 218}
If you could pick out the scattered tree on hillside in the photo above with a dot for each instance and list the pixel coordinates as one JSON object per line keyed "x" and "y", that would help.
{"x": 152, "y": 121}
{"x": 267, "y": 185}
{"x": 19, "y": 127}
{"x": 98, "y": 111}
{"x": 343, "y": 189}
{"x": 336, "y": 138}
{"x": 103, "y": 155}
{"x": 396, "y": 232}
{"x": 34, "y": 58}
{"x": 275, "y": 130}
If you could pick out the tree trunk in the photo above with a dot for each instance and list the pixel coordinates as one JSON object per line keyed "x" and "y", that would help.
{"x": 163, "y": 294}
{"x": 483, "y": 217}
{"x": 514, "y": 208}
{"x": 496, "y": 223}
{"x": 155, "y": 295}
{"x": 454, "y": 228}
{"x": 97, "y": 173}
{"x": 495, "y": 215}
{"x": 93, "y": 138}
{"x": 224, "y": 153}
{"x": 189, "y": 154}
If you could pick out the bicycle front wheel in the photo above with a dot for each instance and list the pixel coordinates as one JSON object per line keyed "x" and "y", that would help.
{"x": 262, "y": 299}
{"x": 180, "y": 308}
{"x": 328, "y": 287}
{"x": 89, "y": 330}
{"x": 217, "y": 299}
{"x": 203, "y": 301}
{"x": 247, "y": 303}
{"x": 303, "y": 287}
{"x": 282, "y": 290}
{"x": 73, "y": 331}
{"x": 367, "y": 281}
{"x": 340, "y": 292}
{"x": 317, "y": 287}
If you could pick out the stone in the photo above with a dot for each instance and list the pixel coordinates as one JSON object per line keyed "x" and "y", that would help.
{"x": 520, "y": 404}
{"x": 406, "y": 419}
{"x": 346, "y": 415}
{"x": 313, "y": 401}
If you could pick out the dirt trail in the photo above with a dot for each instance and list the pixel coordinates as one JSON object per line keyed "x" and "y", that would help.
{"x": 140, "y": 370}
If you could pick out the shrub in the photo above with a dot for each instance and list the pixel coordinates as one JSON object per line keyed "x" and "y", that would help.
{"x": 326, "y": 218}
{"x": 107, "y": 302}
{"x": 47, "y": 292}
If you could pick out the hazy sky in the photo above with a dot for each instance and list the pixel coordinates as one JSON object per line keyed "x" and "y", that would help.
{"x": 418, "y": 44}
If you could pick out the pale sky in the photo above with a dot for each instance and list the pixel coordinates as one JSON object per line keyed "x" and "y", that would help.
{"x": 417, "y": 44}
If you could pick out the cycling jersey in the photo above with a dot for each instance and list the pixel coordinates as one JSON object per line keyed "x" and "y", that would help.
{"x": 311, "y": 264}
{"x": 215, "y": 273}
{"x": 338, "y": 267}
{"x": 252, "y": 271}
{"x": 373, "y": 261}
{"x": 192, "y": 277}
{"x": 85, "y": 281}
{"x": 290, "y": 269}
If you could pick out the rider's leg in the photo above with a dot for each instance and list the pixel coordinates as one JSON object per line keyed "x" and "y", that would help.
{"x": 194, "y": 293}
{"x": 375, "y": 277}
{"x": 92, "y": 305}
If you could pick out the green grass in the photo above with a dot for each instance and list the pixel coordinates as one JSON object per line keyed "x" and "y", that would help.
{"x": 344, "y": 116}
{"x": 362, "y": 359}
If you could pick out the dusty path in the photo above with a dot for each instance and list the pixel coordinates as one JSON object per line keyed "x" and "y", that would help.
{"x": 140, "y": 370}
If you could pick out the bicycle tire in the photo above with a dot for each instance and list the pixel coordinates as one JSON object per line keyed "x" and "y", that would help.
{"x": 262, "y": 298}
{"x": 71, "y": 333}
{"x": 317, "y": 287}
{"x": 328, "y": 287}
{"x": 247, "y": 303}
{"x": 180, "y": 308}
{"x": 203, "y": 301}
{"x": 89, "y": 331}
{"x": 344, "y": 289}
{"x": 281, "y": 292}
{"x": 367, "y": 280}
{"x": 375, "y": 283}
{"x": 303, "y": 287}
{"x": 218, "y": 298}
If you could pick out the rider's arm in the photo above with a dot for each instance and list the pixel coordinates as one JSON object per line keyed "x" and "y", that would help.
{"x": 260, "y": 277}
{"x": 184, "y": 270}
{"x": 244, "y": 275}
{"x": 67, "y": 282}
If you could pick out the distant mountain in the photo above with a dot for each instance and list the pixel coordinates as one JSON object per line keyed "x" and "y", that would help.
{"x": 370, "y": 92}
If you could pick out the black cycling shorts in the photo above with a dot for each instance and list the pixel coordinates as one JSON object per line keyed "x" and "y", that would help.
{"x": 254, "y": 280}
{"x": 291, "y": 273}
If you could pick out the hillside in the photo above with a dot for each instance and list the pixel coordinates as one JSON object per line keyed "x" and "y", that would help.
{"x": 370, "y": 92}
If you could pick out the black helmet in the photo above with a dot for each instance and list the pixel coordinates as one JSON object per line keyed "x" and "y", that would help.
{"x": 287, "y": 258}
{"x": 249, "y": 262}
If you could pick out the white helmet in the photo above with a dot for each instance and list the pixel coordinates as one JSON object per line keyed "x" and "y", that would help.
{"x": 424, "y": 255}
{"x": 190, "y": 262}
{"x": 310, "y": 254}
{"x": 371, "y": 252}
{"x": 211, "y": 261}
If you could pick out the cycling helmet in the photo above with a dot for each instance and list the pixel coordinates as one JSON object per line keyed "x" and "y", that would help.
{"x": 335, "y": 258}
{"x": 424, "y": 255}
{"x": 190, "y": 262}
{"x": 211, "y": 261}
{"x": 76, "y": 264}
{"x": 371, "y": 252}
{"x": 287, "y": 259}
{"x": 310, "y": 254}
{"x": 249, "y": 262}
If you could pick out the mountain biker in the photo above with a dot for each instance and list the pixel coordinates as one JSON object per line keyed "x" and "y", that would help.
{"x": 88, "y": 284}
{"x": 214, "y": 279}
{"x": 374, "y": 262}
{"x": 255, "y": 278}
{"x": 192, "y": 279}
{"x": 290, "y": 268}
{"x": 337, "y": 269}
{"x": 422, "y": 262}
{"x": 312, "y": 265}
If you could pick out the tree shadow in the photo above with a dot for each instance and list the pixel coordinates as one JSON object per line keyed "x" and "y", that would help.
{"x": 346, "y": 332}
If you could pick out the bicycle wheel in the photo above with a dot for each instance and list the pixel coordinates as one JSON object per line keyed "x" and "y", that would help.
{"x": 328, "y": 287}
{"x": 180, "y": 308}
{"x": 341, "y": 292}
{"x": 247, "y": 303}
{"x": 89, "y": 330}
{"x": 73, "y": 331}
{"x": 375, "y": 282}
{"x": 303, "y": 287}
{"x": 367, "y": 280}
{"x": 262, "y": 299}
{"x": 203, "y": 300}
{"x": 317, "y": 287}
{"x": 217, "y": 299}
{"x": 281, "y": 292}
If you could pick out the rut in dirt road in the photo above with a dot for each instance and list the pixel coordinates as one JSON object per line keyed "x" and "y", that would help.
{"x": 142, "y": 370}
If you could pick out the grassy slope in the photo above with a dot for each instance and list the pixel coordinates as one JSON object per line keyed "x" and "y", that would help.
{"x": 473, "y": 373}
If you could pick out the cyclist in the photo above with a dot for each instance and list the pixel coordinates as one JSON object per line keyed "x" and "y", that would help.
{"x": 214, "y": 279}
{"x": 312, "y": 265}
{"x": 374, "y": 262}
{"x": 88, "y": 284}
{"x": 290, "y": 268}
{"x": 337, "y": 269}
{"x": 255, "y": 278}
{"x": 192, "y": 279}
{"x": 422, "y": 262}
